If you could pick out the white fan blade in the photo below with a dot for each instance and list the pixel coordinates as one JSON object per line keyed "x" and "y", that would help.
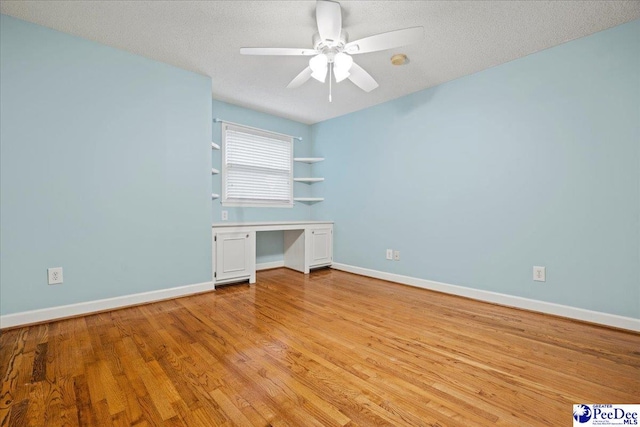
{"x": 361, "y": 78}
{"x": 276, "y": 51}
{"x": 329, "y": 18}
{"x": 300, "y": 78}
{"x": 383, "y": 41}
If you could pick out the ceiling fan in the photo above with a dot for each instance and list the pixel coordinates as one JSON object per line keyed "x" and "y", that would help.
{"x": 331, "y": 53}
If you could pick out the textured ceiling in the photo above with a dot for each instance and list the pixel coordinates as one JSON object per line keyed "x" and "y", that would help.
{"x": 461, "y": 38}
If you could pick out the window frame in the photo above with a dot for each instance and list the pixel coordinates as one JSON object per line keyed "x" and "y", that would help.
{"x": 259, "y": 203}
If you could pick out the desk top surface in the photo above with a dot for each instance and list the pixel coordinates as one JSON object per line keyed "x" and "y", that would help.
{"x": 267, "y": 223}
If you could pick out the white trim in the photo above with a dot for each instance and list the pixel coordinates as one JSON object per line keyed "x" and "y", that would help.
{"x": 256, "y": 205}
{"x": 614, "y": 320}
{"x": 269, "y": 265}
{"x": 88, "y": 307}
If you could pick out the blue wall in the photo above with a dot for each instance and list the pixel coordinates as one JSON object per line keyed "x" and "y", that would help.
{"x": 105, "y": 171}
{"x": 534, "y": 162}
{"x": 269, "y": 246}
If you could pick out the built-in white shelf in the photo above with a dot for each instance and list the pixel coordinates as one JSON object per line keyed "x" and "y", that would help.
{"x": 215, "y": 146}
{"x": 215, "y": 196}
{"x": 308, "y": 199}
{"x": 214, "y": 171}
{"x": 308, "y": 180}
{"x": 308, "y": 159}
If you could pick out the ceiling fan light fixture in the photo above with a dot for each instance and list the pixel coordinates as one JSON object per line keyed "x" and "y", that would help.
{"x": 340, "y": 75}
{"x": 318, "y": 65}
{"x": 320, "y": 75}
{"x": 341, "y": 65}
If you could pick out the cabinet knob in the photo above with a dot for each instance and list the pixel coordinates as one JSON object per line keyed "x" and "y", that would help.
{"x": 247, "y": 236}
{"x": 313, "y": 232}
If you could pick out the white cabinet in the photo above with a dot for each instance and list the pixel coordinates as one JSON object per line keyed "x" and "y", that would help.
{"x": 320, "y": 249}
{"x": 234, "y": 257}
{"x": 308, "y": 248}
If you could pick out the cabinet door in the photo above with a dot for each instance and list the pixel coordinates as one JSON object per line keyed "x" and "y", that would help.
{"x": 321, "y": 246}
{"x": 235, "y": 256}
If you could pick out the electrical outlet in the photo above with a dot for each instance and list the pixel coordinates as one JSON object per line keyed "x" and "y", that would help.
{"x": 225, "y": 215}
{"x": 54, "y": 275}
{"x": 389, "y": 253}
{"x": 396, "y": 255}
{"x": 539, "y": 274}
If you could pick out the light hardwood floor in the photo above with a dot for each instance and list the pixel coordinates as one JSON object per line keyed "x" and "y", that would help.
{"x": 327, "y": 349}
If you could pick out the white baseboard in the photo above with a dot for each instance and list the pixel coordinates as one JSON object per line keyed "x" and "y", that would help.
{"x": 60, "y": 312}
{"x": 268, "y": 265}
{"x": 82, "y": 308}
{"x": 502, "y": 299}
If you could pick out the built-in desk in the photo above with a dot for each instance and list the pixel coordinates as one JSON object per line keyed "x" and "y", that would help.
{"x": 307, "y": 245}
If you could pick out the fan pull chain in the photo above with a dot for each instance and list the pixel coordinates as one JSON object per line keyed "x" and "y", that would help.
{"x": 330, "y": 69}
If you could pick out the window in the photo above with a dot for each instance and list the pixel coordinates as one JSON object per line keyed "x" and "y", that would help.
{"x": 257, "y": 167}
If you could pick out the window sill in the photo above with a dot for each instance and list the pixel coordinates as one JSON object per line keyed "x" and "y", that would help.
{"x": 256, "y": 205}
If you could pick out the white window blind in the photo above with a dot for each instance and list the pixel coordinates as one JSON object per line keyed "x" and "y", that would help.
{"x": 257, "y": 167}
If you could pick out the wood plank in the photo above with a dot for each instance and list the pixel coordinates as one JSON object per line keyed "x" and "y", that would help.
{"x": 229, "y": 409}
{"x": 84, "y": 407}
{"x": 39, "y": 372}
{"x": 13, "y": 360}
{"x": 18, "y": 415}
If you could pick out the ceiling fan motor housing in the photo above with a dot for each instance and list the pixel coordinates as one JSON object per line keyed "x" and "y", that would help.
{"x": 330, "y": 47}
